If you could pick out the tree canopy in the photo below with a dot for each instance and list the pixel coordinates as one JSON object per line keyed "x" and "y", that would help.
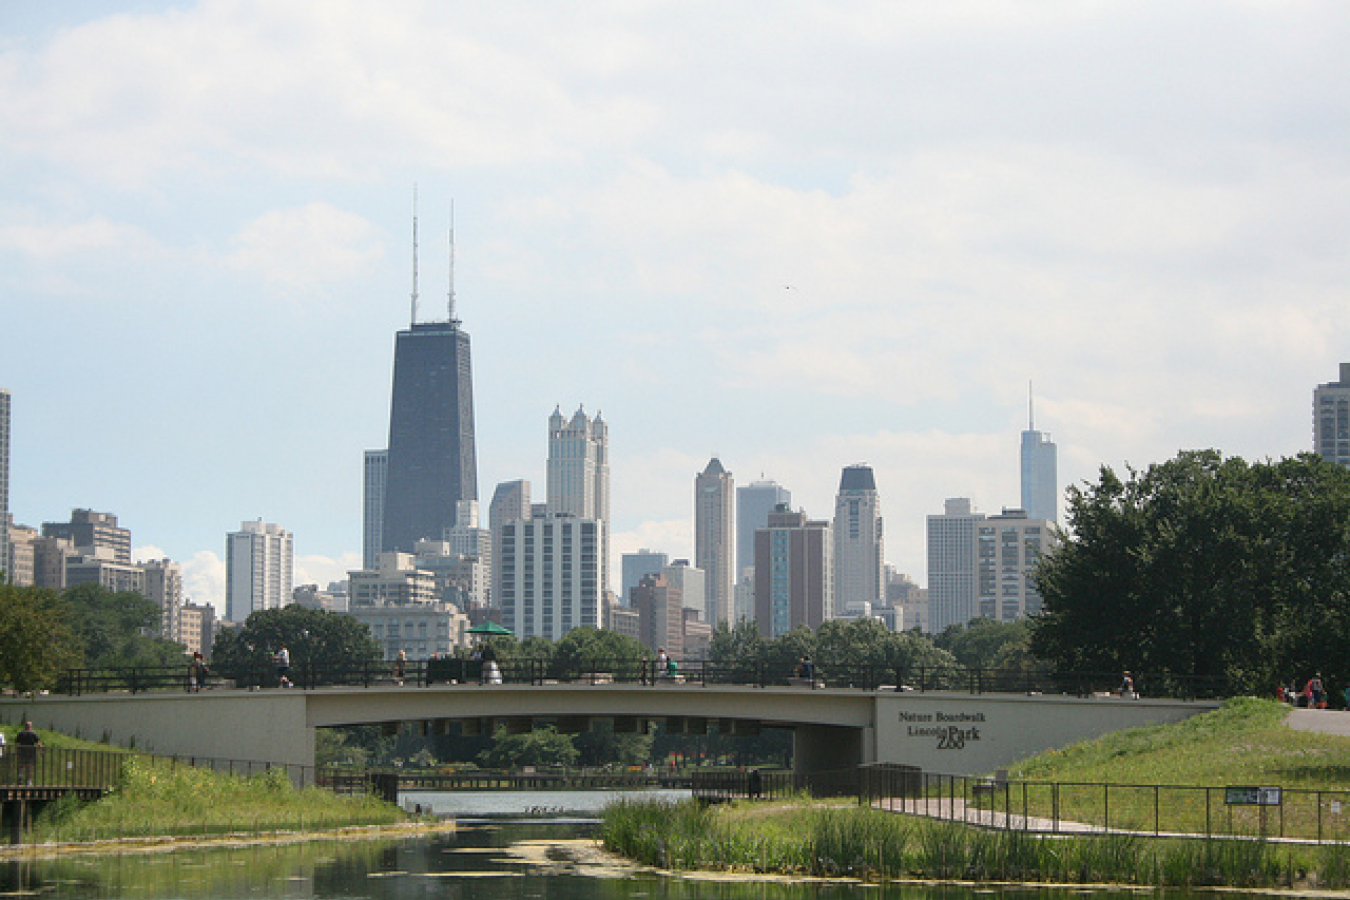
{"x": 116, "y": 628}
{"x": 1233, "y": 575}
{"x": 315, "y": 639}
{"x": 36, "y": 638}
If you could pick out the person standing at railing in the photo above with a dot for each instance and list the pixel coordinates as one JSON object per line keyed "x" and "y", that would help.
{"x": 196, "y": 672}
{"x": 28, "y": 743}
{"x": 282, "y": 659}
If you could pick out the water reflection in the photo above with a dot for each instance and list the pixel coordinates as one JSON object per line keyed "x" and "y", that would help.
{"x": 496, "y": 858}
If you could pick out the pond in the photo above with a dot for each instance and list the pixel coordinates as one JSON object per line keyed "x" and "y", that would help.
{"x": 527, "y": 845}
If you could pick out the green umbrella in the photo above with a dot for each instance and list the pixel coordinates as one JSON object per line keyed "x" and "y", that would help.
{"x": 491, "y": 628}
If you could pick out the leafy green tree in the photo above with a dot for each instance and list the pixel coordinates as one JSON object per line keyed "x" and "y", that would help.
{"x": 37, "y": 641}
{"x": 980, "y": 642}
{"x": 540, "y": 747}
{"x": 316, "y": 640}
{"x": 592, "y": 649}
{"x": 116, "y": 628}
{"x": 1204, "y": 570}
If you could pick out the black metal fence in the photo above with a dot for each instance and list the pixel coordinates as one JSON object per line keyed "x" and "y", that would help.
{"x": 1094, "y": 808}
{"x": 46, "y": 767}
{"x": 720, "y": 785}
{"x": 455, "y": 670}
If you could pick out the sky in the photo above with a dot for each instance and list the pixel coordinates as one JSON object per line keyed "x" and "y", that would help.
{"x": 794, "y": 235}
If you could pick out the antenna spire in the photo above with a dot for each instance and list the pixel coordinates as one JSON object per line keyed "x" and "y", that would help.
{"x": 452, "y": 261}
{"x": 414, "y": 249}
{"x": 1031, "y": 409}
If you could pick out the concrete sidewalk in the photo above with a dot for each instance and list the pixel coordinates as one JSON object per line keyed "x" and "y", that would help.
{"x": 1321, "y": 721}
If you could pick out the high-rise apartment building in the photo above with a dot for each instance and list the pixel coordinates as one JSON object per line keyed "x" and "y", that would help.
{"x": 660, "y": 609}
{"x": 1008, "y": 547}
{"x": 754, "y": 502}
{"x": 90, "y": 532}
{"x": 432, "y": 462}
{"x": 376, "y": 475}
{"x": 859, "y": 552}
{"x": 5, "y": 514}
{"x": 550, "y": 575}
{"x": 1331, "y": 419}
{"x": 952, "y": 565}
{"x": 163, "y": 583}
{"x": 794, "y": 573}
{"x": 714, "y": 540}
{"x": 1040, "y": 478}
{"x": 259, "y": 568}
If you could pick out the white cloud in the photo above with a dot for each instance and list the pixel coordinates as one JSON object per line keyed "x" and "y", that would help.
{"x": 46, "y": 241}
{"x": 204, "y": 580}
{"x": 324, "y": 570}
{"x": 302, "y": 247}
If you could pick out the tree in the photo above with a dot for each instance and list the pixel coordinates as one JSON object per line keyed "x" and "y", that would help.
{"x": 541, "y": 747}
{"x": 1204, "y": 570}
{"x": 36, "y": 639}
{"x": 117, "y": 628}
{"x": 316, "y": 640}
{"x": 587, "y": 649}
{"x": 981, "y": 642}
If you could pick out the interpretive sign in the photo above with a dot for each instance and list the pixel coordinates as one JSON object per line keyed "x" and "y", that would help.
{"x": 1252, "y": 796}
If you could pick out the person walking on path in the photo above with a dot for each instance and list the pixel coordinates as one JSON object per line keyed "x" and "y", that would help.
{"x": 28, "y": 744}
{"x": 1316, "y": 692}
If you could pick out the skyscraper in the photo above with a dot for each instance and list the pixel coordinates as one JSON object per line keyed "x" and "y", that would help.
{"x": 634, "y": 566}
{"x": 510, "y": 503}
{"x": 714, "y": 497}
{"x": 93, "y": 533}
{"x": 1331, "y": 419}
{"x": 4, "y": 484}
{"x": 952, "y": 565}
{"x": 578, "y": 466}
{"x": 550, "y": 575}
{"x": 754, "y": 502}
{"x": 372, "y": 532}
{"x": 432, "y": 462}
{"x": 1040, "y": 486}
{"x": 578, "y": 475}
{"x": 794, "y": 573}
{"x": 259, "y": 568}
{"x": 858, "y": 550}
{"x": 1008, "y": 546}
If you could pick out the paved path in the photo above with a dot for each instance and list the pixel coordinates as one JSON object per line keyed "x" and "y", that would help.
{"x": 1322, "y": 721}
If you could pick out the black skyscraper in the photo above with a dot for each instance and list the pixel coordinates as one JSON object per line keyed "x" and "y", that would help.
{"x": 432, "y": 463}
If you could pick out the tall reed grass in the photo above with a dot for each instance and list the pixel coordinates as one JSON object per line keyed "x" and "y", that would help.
{"x": 877, "y": 845}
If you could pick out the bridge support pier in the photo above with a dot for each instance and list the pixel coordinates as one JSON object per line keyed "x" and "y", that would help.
{"x": 821, "y": 748}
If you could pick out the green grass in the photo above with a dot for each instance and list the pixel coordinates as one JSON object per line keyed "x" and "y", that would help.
{"x": 805, "y": 839}
{"x": 1150, "y": 779}
{"x": 1244, "y": 742}
{"x": 159, "y": 798}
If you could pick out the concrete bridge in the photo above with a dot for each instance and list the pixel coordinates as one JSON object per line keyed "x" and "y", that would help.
{"x": 949, "y": 732}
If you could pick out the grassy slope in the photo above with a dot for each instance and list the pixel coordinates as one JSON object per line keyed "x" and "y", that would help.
{"x": 1244, "y": 742}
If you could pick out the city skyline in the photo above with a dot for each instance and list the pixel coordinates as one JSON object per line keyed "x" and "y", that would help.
{"x": 1138, "y": 207}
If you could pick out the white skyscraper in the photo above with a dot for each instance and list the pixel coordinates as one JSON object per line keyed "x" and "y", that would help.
{"x": 550, "y": 575}
{"x": 578, "y": 466}
{"x": 1040, "y": 486}
{"x": 714, "y": 497}
{"x": 259, "y": 567}
{"x": 578, "y": 475}
{"x": 952, "y": 565}
{"x": 376, "y": 474}
{"x": 859, "y": 563}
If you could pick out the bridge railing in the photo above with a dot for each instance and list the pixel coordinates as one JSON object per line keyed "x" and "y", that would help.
{"x": 448, "y": 670}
